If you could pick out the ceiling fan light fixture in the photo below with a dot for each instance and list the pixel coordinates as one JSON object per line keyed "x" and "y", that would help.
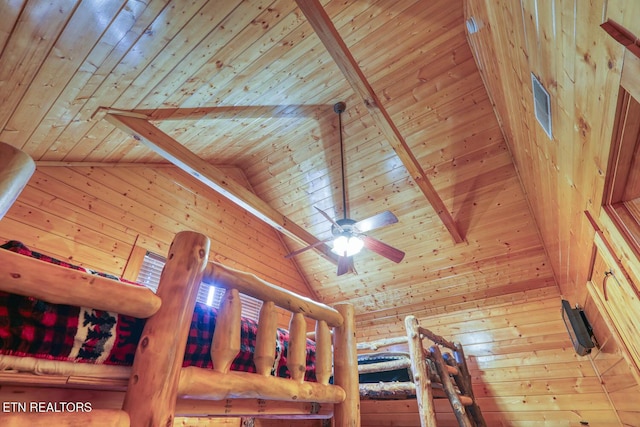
{"x": 347, "y": 245}
{"x": 348, "y": 236}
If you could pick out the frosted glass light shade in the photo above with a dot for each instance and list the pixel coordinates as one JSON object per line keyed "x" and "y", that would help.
{"x": 349, "y": 245}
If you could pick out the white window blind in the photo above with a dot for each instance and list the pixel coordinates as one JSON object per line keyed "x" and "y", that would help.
{"x": 210, "y": 295}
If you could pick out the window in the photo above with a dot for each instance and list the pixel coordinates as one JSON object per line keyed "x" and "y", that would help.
{"x": 149, "y": 275}
{"x": 622, "y": 188}
{"x": 622, "y": 185}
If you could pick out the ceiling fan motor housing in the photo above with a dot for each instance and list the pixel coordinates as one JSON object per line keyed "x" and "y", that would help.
{"x": 345, "y": 227}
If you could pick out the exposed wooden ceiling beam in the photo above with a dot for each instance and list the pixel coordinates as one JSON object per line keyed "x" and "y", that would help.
{"x": 63, "y": 164}
{"x": 215, "y": 178}
{"x": 220, "y": 112}
{"x": 326, "y": 31}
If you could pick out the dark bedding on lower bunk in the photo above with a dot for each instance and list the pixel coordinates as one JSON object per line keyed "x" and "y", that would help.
{"x": 31, "y": 327}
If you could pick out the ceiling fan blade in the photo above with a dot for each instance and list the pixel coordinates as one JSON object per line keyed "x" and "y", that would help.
{"x": 389, "y": 252}
{"x": 326, "y": 215}
{"x": 376, "y": 221}
{"x": 345, "y": 264}
{"x": 318, "y": 243}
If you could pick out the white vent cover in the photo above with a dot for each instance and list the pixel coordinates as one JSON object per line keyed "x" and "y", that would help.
{"x": 542, "y": 104}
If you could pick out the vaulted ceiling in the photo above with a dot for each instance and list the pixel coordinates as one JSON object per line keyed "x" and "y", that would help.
{"x": 251, "y": 84}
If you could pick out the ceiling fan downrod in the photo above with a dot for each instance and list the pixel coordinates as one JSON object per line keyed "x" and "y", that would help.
{"x": 339, "y": 108}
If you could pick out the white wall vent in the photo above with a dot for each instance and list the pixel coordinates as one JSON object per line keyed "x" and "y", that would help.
{"x": 542, "y": 104}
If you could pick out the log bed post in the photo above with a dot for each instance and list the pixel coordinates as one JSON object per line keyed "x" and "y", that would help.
{"x": 345, "y": 360}
{"x": 153, "y": 385}
{"x": 16, "y": 168}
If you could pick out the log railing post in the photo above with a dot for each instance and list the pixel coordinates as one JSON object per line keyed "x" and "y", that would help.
{"x": 153, "y": 385}
{"x": 265, "y": 355}
{"x": 323, "y": 352}
{"x": 225, "y": 344}
{"x": 345, "y": 359}
{"x": 421, "y": 377}
{"x": 297, "y": 351}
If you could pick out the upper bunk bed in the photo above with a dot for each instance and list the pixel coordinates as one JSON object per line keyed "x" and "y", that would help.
{"x": 162, "y": 384}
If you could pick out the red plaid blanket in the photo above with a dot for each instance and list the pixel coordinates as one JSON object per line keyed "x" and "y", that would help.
{"x": 31, "y": 327}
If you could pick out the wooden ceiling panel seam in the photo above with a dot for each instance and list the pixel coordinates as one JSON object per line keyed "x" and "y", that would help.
{"x": 382, "y": 65}
{"x": 374, "y": 169}
{"x": 519, "y": 260}
{"x": 385, "y": 317}
{"x": 81, "y": 126}
{"x": 67, "y": 50}
{"x": 239, "y": 52}
{"x": 449, "y": 283}
{"x": 283, "y": 55}
{"x": 221, "y": 40}
{"x": 174, "y": 47}
{"x": 19, "y": 73}
{"x": 456, "y": 303}
{"x": 118, "y": 182}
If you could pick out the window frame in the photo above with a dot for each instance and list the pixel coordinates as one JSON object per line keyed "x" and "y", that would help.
{"x": 621, "y": 198}
{"x": 208, "y": 294}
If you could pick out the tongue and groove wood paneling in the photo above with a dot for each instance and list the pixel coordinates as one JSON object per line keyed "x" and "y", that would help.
{"x": 496, "y": 291}
{"x": 94, "y": 216}
{"x": 580, "y": 65}
{"x": 523, "y": 366}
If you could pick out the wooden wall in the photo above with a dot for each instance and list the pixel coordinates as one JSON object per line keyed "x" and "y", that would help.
{"x": 562, "y": 43}
{"x": 524, "y": 369}
{"x": 580, "y": 65}
{"x": 94, "y": 216}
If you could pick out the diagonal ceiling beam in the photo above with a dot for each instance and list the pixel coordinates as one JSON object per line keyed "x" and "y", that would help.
{"x": 220, "y": 112}
{"x": 215, "y": 178}
{"x": 326, "y": 31}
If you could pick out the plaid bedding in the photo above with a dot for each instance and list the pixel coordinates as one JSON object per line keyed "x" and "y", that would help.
{"x": 31, "y": 327}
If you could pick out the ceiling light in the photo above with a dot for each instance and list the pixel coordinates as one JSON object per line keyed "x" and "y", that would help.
{"x": 347, "y": 245}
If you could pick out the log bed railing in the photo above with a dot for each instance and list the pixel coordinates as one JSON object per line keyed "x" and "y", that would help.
{"x": 157, "y": 382}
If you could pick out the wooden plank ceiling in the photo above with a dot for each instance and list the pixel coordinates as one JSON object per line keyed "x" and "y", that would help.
{"x": 250, "y": 84}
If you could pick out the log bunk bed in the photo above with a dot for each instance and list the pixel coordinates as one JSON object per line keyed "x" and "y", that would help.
{"x": 430, "y": 374}
{"x": 158, "y": 390}
{"x": 280, "y": 374}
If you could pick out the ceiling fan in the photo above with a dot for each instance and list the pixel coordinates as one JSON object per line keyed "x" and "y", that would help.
{"x": 347, "y": 235}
